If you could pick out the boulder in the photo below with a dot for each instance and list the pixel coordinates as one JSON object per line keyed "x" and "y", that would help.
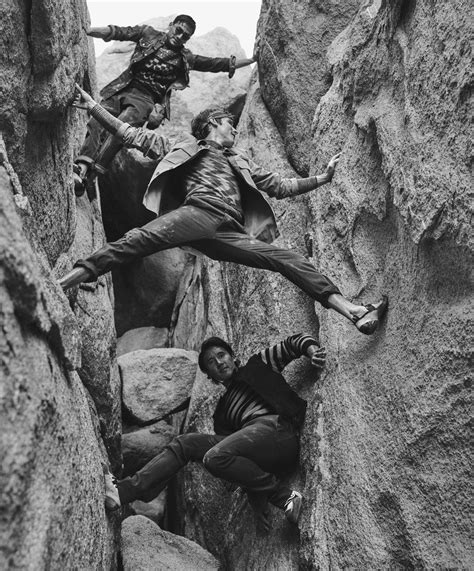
{"x": 147, "y": 547}
{"x": 154, "y": 510}
{"x": 156, "y": 381}
{"x": 140, "y": 446}
{"x": 142, "y": 338}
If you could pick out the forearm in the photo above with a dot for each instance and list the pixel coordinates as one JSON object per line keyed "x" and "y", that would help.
{"x": 310, "y": 183}
{"x": 280, "y": 355}
{"x": 148, "y": 142}
{"x": 102, "y": 33}
{"x": 108, "y": 121}
{"x": 243, "y": 62}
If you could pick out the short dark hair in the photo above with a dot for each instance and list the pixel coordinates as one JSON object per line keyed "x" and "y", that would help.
{"x": 207, "y": 344}
{"x": 186, "y": 20}
{"x": 200, "y": 124}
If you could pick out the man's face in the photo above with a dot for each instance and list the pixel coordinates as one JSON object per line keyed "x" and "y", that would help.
{"x": 178, "y": 34}
{"x": 225, "y": 131}
{"x": 219, "y": 364}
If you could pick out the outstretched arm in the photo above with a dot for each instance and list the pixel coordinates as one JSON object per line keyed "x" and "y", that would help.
{"x": 148, "y": 142}
{"x": 275, "y": 185}
{"x": 216, "y": 64}
{"x": 120, "y": 33}
{"x": 102, "y": 33}
{"x": 278, "y": 356}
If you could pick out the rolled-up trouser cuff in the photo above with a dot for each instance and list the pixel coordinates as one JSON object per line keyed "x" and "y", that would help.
{"x": 327, "y": 292}
{"x": 90, "y": 267}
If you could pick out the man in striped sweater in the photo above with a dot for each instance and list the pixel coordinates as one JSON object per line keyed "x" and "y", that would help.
{"x": 256, "y": 424}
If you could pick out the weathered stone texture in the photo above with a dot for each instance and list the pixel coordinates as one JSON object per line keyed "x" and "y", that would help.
{"x": 147, "y": 547}
{"x": 52, "y": 457}
{"x": 44, "y": 52}
{"x": 156, "y": 381}
{"x": 59, "y": 381}
{"x": 293, "y": 68}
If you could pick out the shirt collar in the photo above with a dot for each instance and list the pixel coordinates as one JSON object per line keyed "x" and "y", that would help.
{"x": 206, "y": 144}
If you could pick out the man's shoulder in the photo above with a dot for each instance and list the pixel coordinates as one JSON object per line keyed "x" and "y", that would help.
{"x": 181, "y": 148}
{"x": 183, "y": 141}
{"x": 151, "y": 33}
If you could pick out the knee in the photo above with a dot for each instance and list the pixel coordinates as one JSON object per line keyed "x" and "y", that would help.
{"x": 215, "y": 460}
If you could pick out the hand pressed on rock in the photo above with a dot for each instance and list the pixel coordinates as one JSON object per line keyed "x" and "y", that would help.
{"x": 317, "y": 356}
{"x": 330, "y": 169}
{"x": 82, "y": 99}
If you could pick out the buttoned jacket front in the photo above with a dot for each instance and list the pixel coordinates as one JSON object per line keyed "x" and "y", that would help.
{"x": 149, "y": 41}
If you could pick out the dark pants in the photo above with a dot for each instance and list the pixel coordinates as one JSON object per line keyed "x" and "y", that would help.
{"x": 218, "y": 236}
{"x": 131, "y": 106}
{"x": 250, "y": 458}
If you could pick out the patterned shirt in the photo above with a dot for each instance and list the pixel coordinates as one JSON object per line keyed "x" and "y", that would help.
{"x": 210, "y": 179}
{"x": 241, "y": 403}
{"x": 158, "y": 71}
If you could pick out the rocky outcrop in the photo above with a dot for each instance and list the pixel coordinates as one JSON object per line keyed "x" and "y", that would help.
{"x": 60, "y": 411}
{"x": 145, "y": 546}
{"x": 385, "y": 445}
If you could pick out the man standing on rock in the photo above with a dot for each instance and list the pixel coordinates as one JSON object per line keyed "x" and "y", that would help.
{"x": 142, "y": 92}
{"x": 256, "y": 424}
{"x": 208, "y": 195}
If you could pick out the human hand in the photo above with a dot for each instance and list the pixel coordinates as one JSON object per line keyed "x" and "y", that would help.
{"x": 256, "y": 49}
{"x": 317, "y": 356}
{"x": 332, "y": 165}
{"x": 82, "y": 99}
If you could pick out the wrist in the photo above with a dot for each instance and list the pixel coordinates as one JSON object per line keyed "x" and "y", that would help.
{"x": 311, "y": 350}
{"x": 326, "y": 177}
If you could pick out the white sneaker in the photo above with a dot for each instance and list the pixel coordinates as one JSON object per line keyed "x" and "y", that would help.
{"x": 112, "y": 498}
{"x": 293, "y": 506}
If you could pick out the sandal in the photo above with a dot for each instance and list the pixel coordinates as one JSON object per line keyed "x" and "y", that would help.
{"x": 368, "y": 323}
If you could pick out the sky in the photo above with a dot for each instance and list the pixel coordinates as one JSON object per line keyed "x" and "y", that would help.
{"x": 239, "y": 17}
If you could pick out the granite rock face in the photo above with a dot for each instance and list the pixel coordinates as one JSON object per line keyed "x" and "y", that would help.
{"x": 145, "y": 546}
{"x": 385, "y": 445}
{"x": 60, "y": 411}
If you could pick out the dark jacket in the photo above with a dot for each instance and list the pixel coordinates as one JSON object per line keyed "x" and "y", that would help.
{"x": 272, "y": 387}
{"x": 148, "y": 42}
{"x": 164, "y": 193}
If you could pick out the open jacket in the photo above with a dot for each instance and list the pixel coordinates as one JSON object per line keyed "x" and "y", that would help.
{"x": 148, "y": 41}
{"x": 262, "y": 373}
{"x": 164, "y": 191}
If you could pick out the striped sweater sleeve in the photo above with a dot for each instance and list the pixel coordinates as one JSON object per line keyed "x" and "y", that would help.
{"x": 280, "y": 355}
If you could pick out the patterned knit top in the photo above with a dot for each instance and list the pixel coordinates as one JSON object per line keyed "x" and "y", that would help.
{"x": 241, "y": 402}
{"x": 158, "y": 71}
